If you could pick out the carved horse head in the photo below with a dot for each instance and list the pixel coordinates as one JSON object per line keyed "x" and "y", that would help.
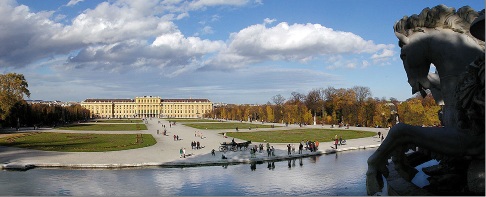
{"x": 437, "y": 36}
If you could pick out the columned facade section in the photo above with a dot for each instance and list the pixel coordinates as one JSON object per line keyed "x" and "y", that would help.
{"x": 186, "y": 108}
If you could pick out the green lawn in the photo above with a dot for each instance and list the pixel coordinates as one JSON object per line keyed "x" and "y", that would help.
{"x": 118, "y": 121}
{"x": 104, "y": 127}
{"x": 77, "y": 142}
{"x": 227, "y": 125}
{"x": 298, "y": 135}
{"x": 191, "y": 120}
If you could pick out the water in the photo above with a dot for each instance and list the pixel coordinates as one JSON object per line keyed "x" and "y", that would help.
{"x": 335, "y": 174}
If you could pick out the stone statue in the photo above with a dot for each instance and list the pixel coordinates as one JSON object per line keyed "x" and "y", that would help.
{"x": 440, "y": 36}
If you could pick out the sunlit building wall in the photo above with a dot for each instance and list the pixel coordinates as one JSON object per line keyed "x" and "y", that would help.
{"x": 147, "y": 106}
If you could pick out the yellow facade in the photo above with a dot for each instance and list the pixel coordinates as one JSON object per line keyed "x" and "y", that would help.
{"x": 147, "y": 106}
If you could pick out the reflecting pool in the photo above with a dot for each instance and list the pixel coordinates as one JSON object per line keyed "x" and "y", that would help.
{"x": 334, "y": 174}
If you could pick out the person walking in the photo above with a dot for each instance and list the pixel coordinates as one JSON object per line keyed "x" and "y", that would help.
{"x": 181, "y": 152}
{"x": 288, "y": 149}
{"x": 184, "y": 152}
{"x": 336, "y": 143}
{"x": 301, "y": 146}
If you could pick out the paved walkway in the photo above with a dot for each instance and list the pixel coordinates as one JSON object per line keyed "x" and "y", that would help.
{"x": 166, "y": 151}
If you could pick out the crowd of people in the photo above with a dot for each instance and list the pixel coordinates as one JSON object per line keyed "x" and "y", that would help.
{"x": 304, "y": 145}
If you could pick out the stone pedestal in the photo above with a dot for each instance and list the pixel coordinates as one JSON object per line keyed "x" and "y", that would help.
{"x": 397, "y": 186}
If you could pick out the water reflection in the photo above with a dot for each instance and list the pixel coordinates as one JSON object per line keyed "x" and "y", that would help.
{"x": 271, "y": 165}
{"x": 253, "y": 166}
{"x": 325, "y": 175}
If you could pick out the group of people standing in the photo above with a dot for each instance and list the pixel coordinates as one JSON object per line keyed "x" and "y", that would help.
{"x": 270, "y": 150}
{"x": 258, "y": 148}
{"x": 289, "y": 148}
{"x": 196, "y": 145}
{"x": 309, "y": 145}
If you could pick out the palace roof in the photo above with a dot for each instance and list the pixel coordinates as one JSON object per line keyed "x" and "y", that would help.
{"x": 108, "y": 100}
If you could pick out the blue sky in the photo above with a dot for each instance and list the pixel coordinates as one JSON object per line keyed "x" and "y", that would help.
{"x": 231, "y": 51}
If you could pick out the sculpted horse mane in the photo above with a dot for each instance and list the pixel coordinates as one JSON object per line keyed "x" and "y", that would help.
{"x": 440, "y": 36}
{"x": 439, "y": 16}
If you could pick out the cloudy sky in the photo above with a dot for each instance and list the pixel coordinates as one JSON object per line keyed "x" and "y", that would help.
{"x": 231, "y": 51}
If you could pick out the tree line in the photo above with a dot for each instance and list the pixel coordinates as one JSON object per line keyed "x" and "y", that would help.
{"x": 16, "y": 112}
{"x": 354, "y": 106}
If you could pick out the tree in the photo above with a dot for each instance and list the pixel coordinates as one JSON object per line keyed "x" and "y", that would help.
{"x": 314, "y": 102}
{"x": 270, "y": 116}
{"x": 296, "y": 98}
{"x": 362, "y": 93}
{"x": 13, "y": 87}
{"x": 279, "y": 100}
{"x": 412, "y": 112}
{"x": 430, "y": 109}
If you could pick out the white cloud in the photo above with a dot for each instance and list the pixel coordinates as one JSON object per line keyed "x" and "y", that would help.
{"x": 201, "y": 4}
{"x": 28, "y": 37}
{"x": 112, "y": 36}
{"x": 172, "y": 53}
{"x": 268, "y": 21}
{"x": 365, "y": 64}
{"x": 207, "y": 30}
{"x": 109, "y": 23}
{"x": 351, "y": 65}
{"x": 105, "y": 32}
{"x": 192, "y": 45}
{"x": 296, "y": 42}
{"x": 385, "y": 54}
{"x": 73, "y": 2}
{"x": 215, "y": 18}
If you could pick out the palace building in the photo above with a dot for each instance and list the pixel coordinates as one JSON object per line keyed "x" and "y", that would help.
{"x": 147, "y": 106}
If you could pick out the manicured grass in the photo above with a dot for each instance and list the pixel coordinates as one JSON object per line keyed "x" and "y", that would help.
{"x": 227, "y": 125}
{"x": 298, "y": 135}
{"x": 191, "y": 120}
{"x": 78, "y": 142}
{"x": 118, "y": 121}
{"x": 104, "y": 127}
